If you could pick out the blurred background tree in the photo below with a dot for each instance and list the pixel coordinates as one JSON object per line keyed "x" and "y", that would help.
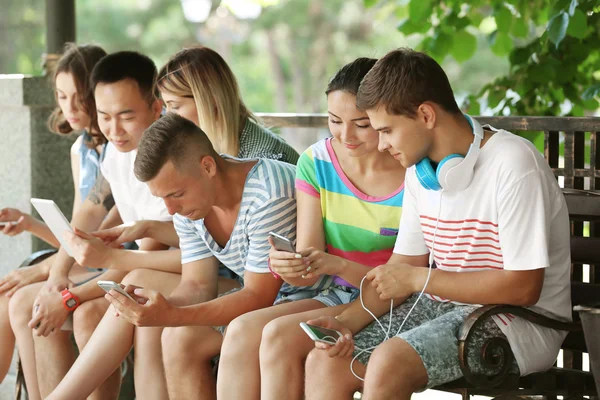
{"x": 552, "y": 47}
{"x": 282, "y": 51}
{"x": 512, "y": 57}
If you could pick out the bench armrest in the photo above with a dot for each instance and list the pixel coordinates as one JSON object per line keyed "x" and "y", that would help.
{"x": 37, "y": 257}
{"x": 496, "y": 352}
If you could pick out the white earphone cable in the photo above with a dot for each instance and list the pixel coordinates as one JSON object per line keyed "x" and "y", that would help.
{"x": 387, "y": 332}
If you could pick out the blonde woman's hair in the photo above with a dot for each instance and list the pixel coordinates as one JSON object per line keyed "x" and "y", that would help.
{"x": 202, "y": 74}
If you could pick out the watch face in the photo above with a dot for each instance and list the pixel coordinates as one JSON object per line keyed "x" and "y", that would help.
{"x": 71, "y": 303}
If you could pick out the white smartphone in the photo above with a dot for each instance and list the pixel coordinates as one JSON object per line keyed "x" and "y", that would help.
{"x": 55, "y": 219}
{"x": 108, "y": 285}
{"x": 319, "y": 334}
{"x": 282, "y": 243}
{"x": 4, "y": 223}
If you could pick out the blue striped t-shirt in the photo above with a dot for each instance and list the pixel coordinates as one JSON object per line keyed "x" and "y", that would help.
{"x": 268, "y": 204}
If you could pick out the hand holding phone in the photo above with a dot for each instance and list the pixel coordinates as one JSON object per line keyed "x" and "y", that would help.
{"x": 282, "y": 243}
{"x": 108, "y": 285}
{"x": 320, "y": 334}
{"x": 4, "y": 223}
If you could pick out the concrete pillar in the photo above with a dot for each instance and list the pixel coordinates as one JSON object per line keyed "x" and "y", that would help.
{"x": 33, "y": 161}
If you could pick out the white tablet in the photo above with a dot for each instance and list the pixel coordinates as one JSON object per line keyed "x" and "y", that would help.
{"x": 55, "y": 220}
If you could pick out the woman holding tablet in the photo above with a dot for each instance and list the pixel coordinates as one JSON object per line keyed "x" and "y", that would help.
{"x": 75, "y": 111}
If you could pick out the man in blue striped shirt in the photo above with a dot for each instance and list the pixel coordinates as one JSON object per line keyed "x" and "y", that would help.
{"x": 224, "y": 209}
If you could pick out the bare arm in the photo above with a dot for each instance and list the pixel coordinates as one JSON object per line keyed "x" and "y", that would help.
{"x": 160, "y": 231}
{"x": 355, "y": 317}
{"x": 311, "y": 235}
{"x": 259, "y": 291}
{"x": 112, "y": 219}
{"x": 160, "y": 260}
{"x": 90, "y": 290}
{"x": 88, "y": 218}
{"x": 517, "y": 288}
{"x": 41, "y": 230}
{"x": 75, "y": 164}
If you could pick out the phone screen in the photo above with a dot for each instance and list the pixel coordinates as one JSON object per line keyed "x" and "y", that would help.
{"x": 322, "y": 334}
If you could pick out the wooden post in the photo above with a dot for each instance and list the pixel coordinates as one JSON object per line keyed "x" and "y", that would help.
{"x": 60, "y": 29}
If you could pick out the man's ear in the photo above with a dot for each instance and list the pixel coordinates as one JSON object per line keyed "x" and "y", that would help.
{"x": 426, "y": 114}
{"x": 157, "y": 107}
{"x": 208, "y": 165}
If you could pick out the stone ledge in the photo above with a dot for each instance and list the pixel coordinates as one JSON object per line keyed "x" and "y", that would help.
{"x": 22, "y": 90}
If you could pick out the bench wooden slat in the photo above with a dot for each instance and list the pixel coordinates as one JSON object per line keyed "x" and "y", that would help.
{"x": 583, "y": 205}
{"x": 585, "y": 250}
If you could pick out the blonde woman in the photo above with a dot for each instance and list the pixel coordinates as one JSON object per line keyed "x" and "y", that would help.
{"x": 197, "y": 84}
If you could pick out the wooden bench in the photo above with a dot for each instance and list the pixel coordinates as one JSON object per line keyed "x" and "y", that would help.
{"x": 568, "y": 381}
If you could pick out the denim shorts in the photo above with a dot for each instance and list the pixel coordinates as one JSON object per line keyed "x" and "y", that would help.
{"x": 289, "y": 297}
{"x": 432, "y": 331}
{"x": 336, "y": 295}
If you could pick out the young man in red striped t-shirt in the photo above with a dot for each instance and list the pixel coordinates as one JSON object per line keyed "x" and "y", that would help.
{"x": 481, "y": 203}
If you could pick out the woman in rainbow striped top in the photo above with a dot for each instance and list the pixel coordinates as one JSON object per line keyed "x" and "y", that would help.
{"x": 349, "y": 198}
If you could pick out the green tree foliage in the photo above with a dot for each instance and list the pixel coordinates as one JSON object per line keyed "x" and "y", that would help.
{"x": 552, "y": 48}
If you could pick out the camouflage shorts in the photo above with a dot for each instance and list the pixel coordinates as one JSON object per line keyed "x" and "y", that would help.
{"x": 432, "y": 330}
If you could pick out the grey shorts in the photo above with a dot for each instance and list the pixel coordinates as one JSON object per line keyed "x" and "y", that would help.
{"x": 432, "y": 331}
{"x": 336, "y": 295}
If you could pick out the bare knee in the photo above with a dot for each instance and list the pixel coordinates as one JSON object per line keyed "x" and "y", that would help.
{"x": 394, "y": 367}
{"x": 136, "y": 277}
{"x": 183, "y": 345}
{"x": 86, "y": 318}
{"x": 242, "y": 336}
{"x": 322, "y": 371}
{"x": 20, "y": 306}
{"x": 276, "y": 338}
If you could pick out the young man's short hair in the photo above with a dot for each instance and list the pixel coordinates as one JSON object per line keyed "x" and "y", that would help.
{"x": 171, "y": 138}
{"x": 122, "y": 65}
{"x": 403, "y": 80}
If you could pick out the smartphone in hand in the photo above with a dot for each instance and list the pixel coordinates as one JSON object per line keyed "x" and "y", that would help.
{"x": 282, "y": 243}
{"x": 320, "y": 334}
{"x": 108, "y": 285}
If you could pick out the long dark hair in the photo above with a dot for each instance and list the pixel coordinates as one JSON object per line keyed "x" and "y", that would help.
{"x": 349, "y": 77}
{"x": 79, "y": 61}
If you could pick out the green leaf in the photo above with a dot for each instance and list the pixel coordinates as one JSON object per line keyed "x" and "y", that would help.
{"x": 494, "y": 98}
{"x": 566, "y": 72}
{"x": 572, "y": 7}
{"x": 541, "y": 73}
{"x": 419, "y": 10}
{"x": 591, "y": 104}
{"x": 440, "y": 46}
{"x": 578, "y": 25}
{"x": 577, "y": 110}
{"x": 520, "y": 28}
{"x": 557, "y": 27}
{"x": 519, "y": 55}
{"x": 472, "y": 106}
{"x": 408, "y": 27}
{"x": 591, "y": 92}
{"x": 369, "y": 3}
{"x": 558, "y": 7}
{"x": 464, "y": 46}
{"x": 503, "y": 19}
{"x": 502, "y": 44}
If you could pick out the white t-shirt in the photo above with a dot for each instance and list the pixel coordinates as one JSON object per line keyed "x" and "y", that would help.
{"x": 512, "y": 216}
{"x": 132, "y": 197}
